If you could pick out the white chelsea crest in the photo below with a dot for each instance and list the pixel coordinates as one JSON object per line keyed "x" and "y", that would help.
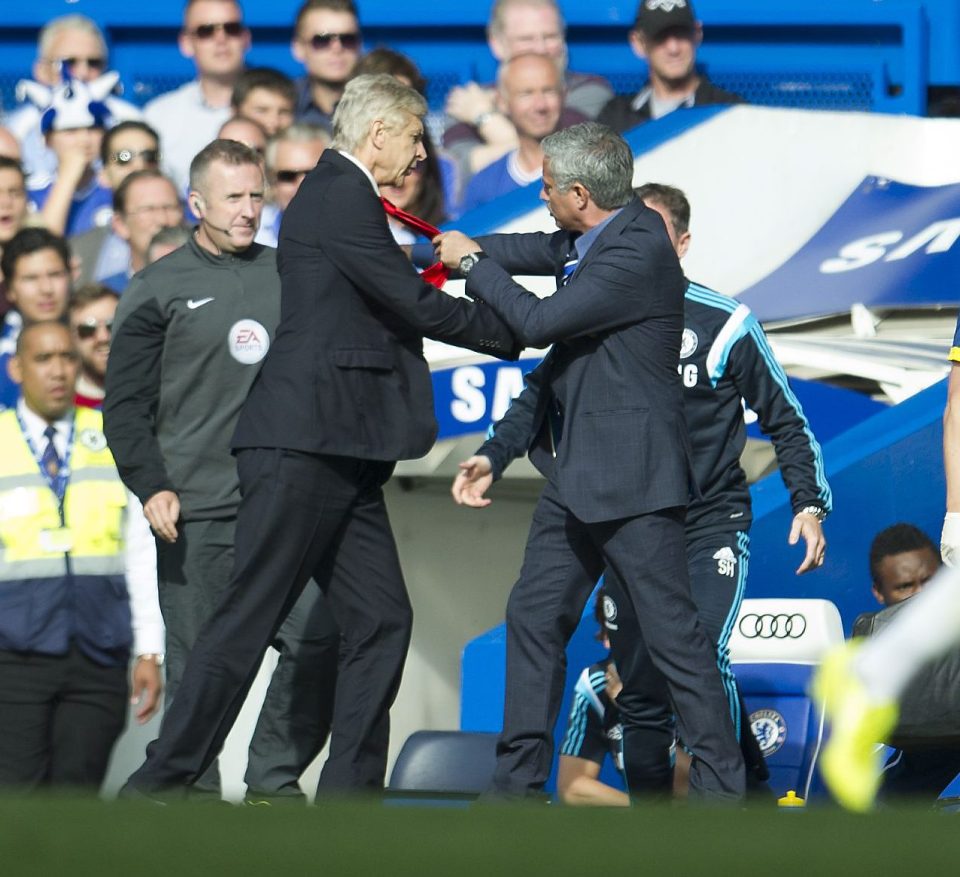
{"x": 689, "y": 343}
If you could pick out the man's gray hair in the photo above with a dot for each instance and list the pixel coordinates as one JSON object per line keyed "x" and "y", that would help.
{"x": 57, "y": 26}
{"x": 496, "y": 25}
{"x": 298, "y": 132}
{"x": 369, "y": 97}
{"x": 596, "y": 157}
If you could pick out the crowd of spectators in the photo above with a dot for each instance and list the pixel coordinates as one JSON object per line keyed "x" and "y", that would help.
{"x": 70, "y": 144}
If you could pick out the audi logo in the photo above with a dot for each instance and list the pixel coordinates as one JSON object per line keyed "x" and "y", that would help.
{"x": 781, "y": 626}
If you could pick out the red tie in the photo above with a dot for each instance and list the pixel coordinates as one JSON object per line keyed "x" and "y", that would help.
{"x": 436, "y": 274}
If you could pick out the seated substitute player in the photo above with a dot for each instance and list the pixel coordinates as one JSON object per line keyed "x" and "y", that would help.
{"x": 902, "y": 560}
{"x": 593, "y": 731}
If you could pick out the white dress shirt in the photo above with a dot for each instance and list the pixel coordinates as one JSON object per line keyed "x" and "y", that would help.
{"x": 363, "y": 167}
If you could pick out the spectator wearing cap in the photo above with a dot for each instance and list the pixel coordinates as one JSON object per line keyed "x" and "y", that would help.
{"x": 73, "y": 118}
{"x": 667, "y": 36}
{"x": 215, "y": 38}
{"x": 479, "y": 133}
{"x": 267, "y": 96}
{"x": 125, "y": 148}
{"x": 71, "y": 45}
{"x": 327, "y": 41}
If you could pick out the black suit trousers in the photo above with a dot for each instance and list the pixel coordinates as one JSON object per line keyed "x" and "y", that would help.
{"x": 301, "y": 515}
{"x": 564, "y": 558}
{"x": 60, "y": 716}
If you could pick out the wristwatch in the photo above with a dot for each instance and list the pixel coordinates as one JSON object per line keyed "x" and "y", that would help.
{"x": 153, "y": 657}
{"x": 819, "y": 512}
{"x": 483, "y": 118}
{"x": 468, "y": 261}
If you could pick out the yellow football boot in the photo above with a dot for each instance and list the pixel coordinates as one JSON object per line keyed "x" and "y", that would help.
{"x": 851, "y": 763}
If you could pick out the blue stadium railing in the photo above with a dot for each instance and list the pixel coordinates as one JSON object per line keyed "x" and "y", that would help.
{"x": 829, "y": 54}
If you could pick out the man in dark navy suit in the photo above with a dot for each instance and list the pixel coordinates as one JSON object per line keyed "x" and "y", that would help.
{"x": 603, "y": 422}
{"x": 344, "y": 392}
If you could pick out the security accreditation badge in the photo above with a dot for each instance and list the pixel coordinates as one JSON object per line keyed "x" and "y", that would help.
{"x": 56, "y": 541}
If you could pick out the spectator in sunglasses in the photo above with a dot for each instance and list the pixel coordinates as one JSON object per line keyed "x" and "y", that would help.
{"x": 90, "y": 312}
{"x": 74, "y": 45}
{"x": 215, "y": 38}
{"x": 125, "y": 148}
{"x": 290, "y": 156}
{"x": 327, "y": 42}
{"x": 267, "y": 96}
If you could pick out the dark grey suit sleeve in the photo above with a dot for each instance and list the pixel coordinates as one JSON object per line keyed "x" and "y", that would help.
{"x": 512, "y": 435}
{"x": 358, "y": 242}
{"x": 534, "y": 254}
{"x": 613, "y": 290}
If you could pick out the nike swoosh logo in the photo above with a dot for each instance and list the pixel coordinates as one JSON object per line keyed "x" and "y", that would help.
{"x": 198, "y": 303}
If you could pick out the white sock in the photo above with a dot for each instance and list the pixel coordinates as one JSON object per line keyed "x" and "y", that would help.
{"x": 922, "y": 631}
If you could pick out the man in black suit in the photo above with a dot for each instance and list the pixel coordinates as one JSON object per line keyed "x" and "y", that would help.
{"x": 602, "y": 419}
{"x": 344, "y": 392}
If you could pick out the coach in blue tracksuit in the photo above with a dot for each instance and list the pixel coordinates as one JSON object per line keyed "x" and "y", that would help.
{"x": 725, "y": 359}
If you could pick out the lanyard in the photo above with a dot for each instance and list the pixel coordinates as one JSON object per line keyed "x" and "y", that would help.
{"x": 58, "y": 482}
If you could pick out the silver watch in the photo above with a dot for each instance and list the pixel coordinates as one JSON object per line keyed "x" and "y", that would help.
{"x": 819, "y": 512}
{"x": 467, "y": 263}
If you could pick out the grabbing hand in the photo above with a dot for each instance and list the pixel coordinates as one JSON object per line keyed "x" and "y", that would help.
{"x": 452, "y": 246}
{"x": 809, "y": 527}
{"x": 472, "y": 481}
{"x": 162, "y": 510}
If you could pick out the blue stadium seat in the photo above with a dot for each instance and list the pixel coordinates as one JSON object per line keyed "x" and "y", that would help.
{"x": 443, "y": 766}
{"x": 775, "y": 647}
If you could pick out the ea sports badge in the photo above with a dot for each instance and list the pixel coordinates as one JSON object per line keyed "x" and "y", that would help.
{"x": 92, "y": 439}
{"x": 770, "y": 730}
{"x": 248, "y": 341}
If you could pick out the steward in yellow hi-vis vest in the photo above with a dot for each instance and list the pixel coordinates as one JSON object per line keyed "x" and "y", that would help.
{"x": 78, "y": 580}
{"x": 62, "y": 576}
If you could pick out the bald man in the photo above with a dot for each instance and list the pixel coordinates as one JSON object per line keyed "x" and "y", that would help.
{"x": 530, "y": 93}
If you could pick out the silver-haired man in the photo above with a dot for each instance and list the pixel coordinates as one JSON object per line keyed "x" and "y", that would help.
{"x": 344, "y": 393}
